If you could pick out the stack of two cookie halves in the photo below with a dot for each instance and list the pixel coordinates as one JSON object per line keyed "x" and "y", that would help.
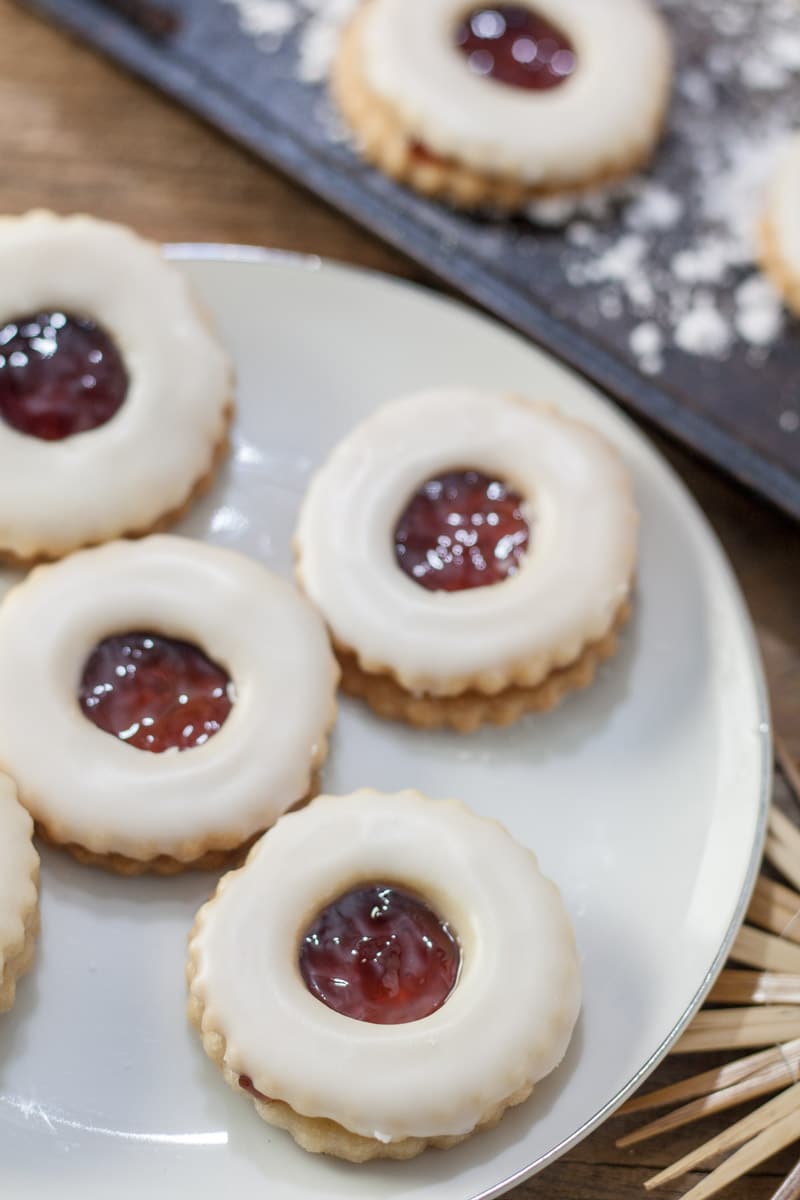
{"x": 498, "y": 105}
{"x": 116, "y": 396}
{"x": 472, "y": 554}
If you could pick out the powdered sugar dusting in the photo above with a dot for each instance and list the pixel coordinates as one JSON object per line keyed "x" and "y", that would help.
{"x": 317, "y": 24}
{"x": 647, "y": 343}
{"x": 759, "y": 311}
{"x": 654, "y": 207}
{"x": 265, "y": 18}
{"x": 670, "y": 260}
{"x": 320, "y": 36}
{"x": 702, "y": 329}
{"x": 699, "y": 289}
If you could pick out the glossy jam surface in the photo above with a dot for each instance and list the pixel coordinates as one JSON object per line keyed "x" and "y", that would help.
{"x": 155, "y": 693}
{"x": 59, "y": 375}
{"x": 512, "y": 44}
{"x": 461, "y": 530}
{"x": 379, "y": 954}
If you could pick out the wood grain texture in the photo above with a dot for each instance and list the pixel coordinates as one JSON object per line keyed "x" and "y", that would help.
{"x": 77, "y": 134}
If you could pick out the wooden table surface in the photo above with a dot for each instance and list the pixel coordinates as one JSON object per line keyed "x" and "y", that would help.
{"x": 77, "y": 134}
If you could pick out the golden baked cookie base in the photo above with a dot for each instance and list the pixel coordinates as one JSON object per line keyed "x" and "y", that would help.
{"x": 467, "y": 712}
{"x": 18, "y": 963}
{"x": 162, "y": 864}
{"x": 775, "y": 267}
{"x": 384, "y": 142}
{"x": 319, "y": 1135}
{"x": 201, "y": 486}
{"x": 206, "y": 859}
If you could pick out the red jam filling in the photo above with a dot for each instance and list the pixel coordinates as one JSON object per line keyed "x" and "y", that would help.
{"x": 247, "y": 1085}
{"x": 380, "y": 955}
{"x": 155, "y": 693}
{"x": 59, "y": 375}
{"x": 461, "y": 530}
{"x": 514, "y": 45}
{"x": 422, "y": 154}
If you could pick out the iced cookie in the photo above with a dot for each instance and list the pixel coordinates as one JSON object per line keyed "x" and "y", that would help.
{"x": 416, "y": 978}
{"x": 498, "y": 105}
{"x": 780, "y": 228}
{"x": 161, "y": 701}
{"x": 115, "y": 394}
{"x": 473, "y": 556}
{"x": 19, "y": 900}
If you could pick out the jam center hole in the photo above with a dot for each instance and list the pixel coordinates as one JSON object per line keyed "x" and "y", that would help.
{"x": 379, "y": 954}
{"x": 59, "y": 375}
{"x": 512, "y": 44}
{"x": 461, "y": 530}
{"x": 153, "y": 692}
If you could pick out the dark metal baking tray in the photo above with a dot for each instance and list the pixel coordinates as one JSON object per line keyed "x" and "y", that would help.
{"x": 740, "y": 409}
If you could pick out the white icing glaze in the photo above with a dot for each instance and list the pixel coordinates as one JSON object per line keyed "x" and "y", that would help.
{"x": 784, "y": 208}
{"x": 507, "y": 1022}
{"x": 19, "y": 865}
{"x": 143, "y": 463}
{"x": 607, "y": 110}
{"x": 89, "y": 787}
{"x": 569, "y": 587}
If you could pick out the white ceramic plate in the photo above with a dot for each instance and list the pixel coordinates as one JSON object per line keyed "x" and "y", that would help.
{"x": 644, "y": 797}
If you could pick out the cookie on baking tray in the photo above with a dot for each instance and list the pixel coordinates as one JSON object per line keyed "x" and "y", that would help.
{"x": 780, "y": 227}
{"x": 497, "y": 105}
{"x": 178, "y": 701}
{"x": 415, "y": 979}
{"x": 115, "y": 394}
{"x": 19, "y": 892}
{"x": 473, "y": 555}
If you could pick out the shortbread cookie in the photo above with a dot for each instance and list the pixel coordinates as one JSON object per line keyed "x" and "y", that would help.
{"x": 780, "y": 229}
{"x": 472, "y": 554}
{"x": 181, "y": 695}
{"x": 19, "y": 892}
{"x": 498, "y": 105}
{"x": 414, "y": 980}
{"x": 470, "y": 710}
{"x": 115, "y": 394}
